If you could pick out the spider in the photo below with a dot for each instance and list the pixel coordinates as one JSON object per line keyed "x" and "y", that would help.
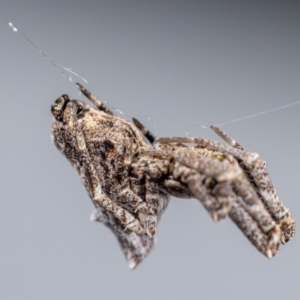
{"x": 130, "y": 176}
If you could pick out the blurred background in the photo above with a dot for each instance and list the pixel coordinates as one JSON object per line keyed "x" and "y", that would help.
{"x": 184, "y": 65}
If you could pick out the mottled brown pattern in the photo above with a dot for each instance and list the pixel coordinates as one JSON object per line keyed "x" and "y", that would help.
{"x": 130, "y": 180}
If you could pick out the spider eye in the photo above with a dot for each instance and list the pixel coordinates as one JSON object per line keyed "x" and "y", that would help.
{"x": 58, "y": 107}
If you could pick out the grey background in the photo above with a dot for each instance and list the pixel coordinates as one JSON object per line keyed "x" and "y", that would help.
{"x": 183, "y": 64}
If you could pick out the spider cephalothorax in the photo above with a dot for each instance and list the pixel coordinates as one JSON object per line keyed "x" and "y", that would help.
{"x": 129, "y": 175}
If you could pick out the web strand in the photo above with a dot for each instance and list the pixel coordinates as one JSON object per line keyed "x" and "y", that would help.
{"x": 64, "y": 74}
{"x": 260, "y": 113}
{"x": 56, "y": 66}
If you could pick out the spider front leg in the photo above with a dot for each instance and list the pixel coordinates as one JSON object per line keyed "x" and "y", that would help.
{"x": 216, "y": 201}
{"x": 89, "y": 175}
{"x": 220, "y": 202}
{"x": 239, "y": 215}
{"x": 194, "y": 169}
{"x": 256, "y": 171}
{"x": 146, "y": 132}
{"x": 212, "y": 164}
{"x": 99, "y": 105}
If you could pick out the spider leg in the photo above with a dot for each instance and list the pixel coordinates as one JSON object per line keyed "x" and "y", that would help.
{"x": 100, "y": 105}
{"x": 217, "y": 202}
{"x": 230, "y": 178}
{"x": 90, "y": 176}
{"x": 212, "y": 201}
{"x": 239, "y": 215}
{"x": 177, "y": 189}
{"x": 226, "y": 137}
{"x": 148, "y": 134}
{"x": 207, "y": 144}
{"x": 151, "y": 168}
{"x": 256, "y": 170}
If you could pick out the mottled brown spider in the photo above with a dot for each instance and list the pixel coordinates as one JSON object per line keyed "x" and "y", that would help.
{"x": 130, "y": 176}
